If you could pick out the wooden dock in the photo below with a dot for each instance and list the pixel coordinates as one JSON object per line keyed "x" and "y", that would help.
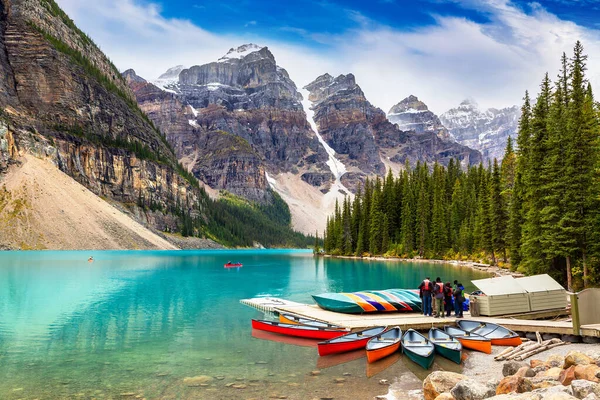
{"x": 521, "y": 323}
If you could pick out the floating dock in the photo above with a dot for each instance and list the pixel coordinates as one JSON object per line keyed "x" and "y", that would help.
{"x": 525, "y": 322}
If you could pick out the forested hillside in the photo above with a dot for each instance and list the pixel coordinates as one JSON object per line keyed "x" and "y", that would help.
{"x": 537, "y": 209}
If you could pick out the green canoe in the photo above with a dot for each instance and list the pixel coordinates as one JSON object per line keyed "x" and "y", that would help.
{"x": 418, "y": 348}
{"x": 446, "y": 345}
{"x": 389, "y": 300}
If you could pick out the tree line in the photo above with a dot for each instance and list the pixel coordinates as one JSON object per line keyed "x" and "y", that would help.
{"x": 537, "y": 210}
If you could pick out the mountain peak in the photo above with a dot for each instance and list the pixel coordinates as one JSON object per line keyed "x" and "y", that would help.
{"x": 172, "y": 73}
{"x": 131, "y": 76}
{"x": 409, "y": 104}
{"x": 241, "y": 52}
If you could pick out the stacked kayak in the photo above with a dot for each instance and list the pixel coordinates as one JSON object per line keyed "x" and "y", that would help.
{"x": 470, "y": 340}
{"x": 349, "y": 342}
{"x": 305, "y": 331}
{"x": 384, "y": 345}
{"x": 367, "y": 301}
{"x": 446, "y": 345}
{"x": 418, "y": 348}
{"x": 499, "y": 335}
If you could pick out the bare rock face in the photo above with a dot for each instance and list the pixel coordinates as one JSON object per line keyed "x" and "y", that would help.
{"x": 411, "y": 114}
{"x": 66, "y": 101}
{"x": 483, "y": 130}
{"x": 362, "y": 135}
{"x": 219, "y": 159}
{"x": 246, "y": 94}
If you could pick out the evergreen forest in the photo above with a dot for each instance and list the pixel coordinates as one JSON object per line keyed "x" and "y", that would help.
{"x": 535, "y": 211}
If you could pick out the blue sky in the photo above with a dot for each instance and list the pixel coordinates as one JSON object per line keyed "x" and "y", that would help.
{"x": 307, "y": 20}
{"x": 439, "y": 50}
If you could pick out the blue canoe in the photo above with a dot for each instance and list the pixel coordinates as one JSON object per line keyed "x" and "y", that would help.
{"x": 366, "y": 301}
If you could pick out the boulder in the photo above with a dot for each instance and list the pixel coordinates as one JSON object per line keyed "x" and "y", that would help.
{"x": 439, "y": 382}
{"x": 582, "y": 388}
{"x": 515, "y": 396}
{"x": 555, "y": 389}
{"x": 516, "y": 384}
{"x": 555, "y": 360}
{"x": 577, "y": 358}
{"x": 567, "y": 376}
{"x": 525, "y": 372}
{"x": 559, "y": 396}
{"x": 445, "y": 396}
{"x": 588, "y": 372}
{"x": 536, "y": 363}
{"x": 511, "y": 367}
{"x": 591, "y": 396}
{"x": 469, "y": 389}
{"x": 553, "y": 372}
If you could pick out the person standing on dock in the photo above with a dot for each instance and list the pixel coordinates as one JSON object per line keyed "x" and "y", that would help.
{"x": 458, "y": 300}
{"x": 438, "y": 293}
{"x": 448, "y": 293}
{"x": 425, "y": 291}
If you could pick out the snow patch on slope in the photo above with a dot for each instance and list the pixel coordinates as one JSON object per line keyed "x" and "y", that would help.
{"x": 240, "y": 52}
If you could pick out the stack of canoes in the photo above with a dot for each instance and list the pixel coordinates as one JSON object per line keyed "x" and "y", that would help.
{"x": 446, "y": 345}
{"x": 418, "y": 348}
{"x": 367, "y": 301}
{"x": 469, "y": 340}
{"x": 498, "y": 335}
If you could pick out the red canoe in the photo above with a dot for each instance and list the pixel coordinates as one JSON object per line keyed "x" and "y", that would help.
{"x": 349, "y": 342}
{"x": 304, "y": 331}
{"x": 233, "y": 265}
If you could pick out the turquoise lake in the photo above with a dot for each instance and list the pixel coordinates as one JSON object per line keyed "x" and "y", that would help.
{"x": 135, "y": 324}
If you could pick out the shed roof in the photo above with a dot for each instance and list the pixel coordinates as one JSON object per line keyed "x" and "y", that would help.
{"x": 499, "y": 286}
{"x": 539, "y": 283}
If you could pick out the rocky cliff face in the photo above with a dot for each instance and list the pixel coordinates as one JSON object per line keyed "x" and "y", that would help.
{"x": 246, "y": 94}
{"x": 365, "y": 139}
{"x": 219, "y": 159}
{"x": 67, "y": 102}
{"x": 484, "y": 130}
{"x": 411, "y": 114}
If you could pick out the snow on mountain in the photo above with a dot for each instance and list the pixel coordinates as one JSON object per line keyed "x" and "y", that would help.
{"x": 240, "y": 52}
{"x": 411, "y": 114}
{"x": 484, "y": 130}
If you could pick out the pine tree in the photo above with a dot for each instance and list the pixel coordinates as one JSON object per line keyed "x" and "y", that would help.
{"x": 438, "y": 220}
{"x": 498, "y": 212}
{"x": 534, "y": 257}
{"x": 316, "y": 248}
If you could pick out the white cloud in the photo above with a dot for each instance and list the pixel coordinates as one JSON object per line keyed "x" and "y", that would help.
{"x": 442, "y": 64}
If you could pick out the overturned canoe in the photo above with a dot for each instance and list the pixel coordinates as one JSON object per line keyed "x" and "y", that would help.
{"x": 349, "y": 342}
{"x": 469, "y": 340}
{"x": 499, "y": 335}
{"x": 446, "y": 345}
{"x": 286, "y": 318}
{"x": 418, "y": 348}
{"x": 384, "y": 344}
{"x": 305, "y": 331}
{"x": 389, "y": 300}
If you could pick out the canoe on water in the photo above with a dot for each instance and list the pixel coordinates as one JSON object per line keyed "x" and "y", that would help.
{"x": 367, "y": 301}
{"x": 233, "y": 265}
{"x": 469, "y": 340}
{"x": 383, "y": 345}
{"x": 446, "y": 345}
{"x": 286, "y": 318}
{"x": 348, "y": 342}
{"x": 305, "y": 331}
{"x": 499, "y": 335}
{"x": 418, "y": 348}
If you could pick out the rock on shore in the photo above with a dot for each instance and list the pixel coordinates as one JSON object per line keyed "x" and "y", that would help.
{"x": 574, "y": 376}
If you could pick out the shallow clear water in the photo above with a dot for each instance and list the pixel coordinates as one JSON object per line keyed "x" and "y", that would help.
{"x": 136, "y": 323}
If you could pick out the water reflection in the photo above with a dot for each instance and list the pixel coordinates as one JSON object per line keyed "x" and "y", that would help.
{"x": 144, "y": 320}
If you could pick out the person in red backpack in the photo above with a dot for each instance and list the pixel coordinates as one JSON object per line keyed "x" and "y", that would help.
{"x": 425, "y": 291}
{"x": 438, "y": 293}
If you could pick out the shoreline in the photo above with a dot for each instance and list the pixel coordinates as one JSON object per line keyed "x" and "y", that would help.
{"x": 491, "y": 269}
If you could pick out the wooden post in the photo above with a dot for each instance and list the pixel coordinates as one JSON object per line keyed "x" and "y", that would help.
{"x": 575, "y": 314}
